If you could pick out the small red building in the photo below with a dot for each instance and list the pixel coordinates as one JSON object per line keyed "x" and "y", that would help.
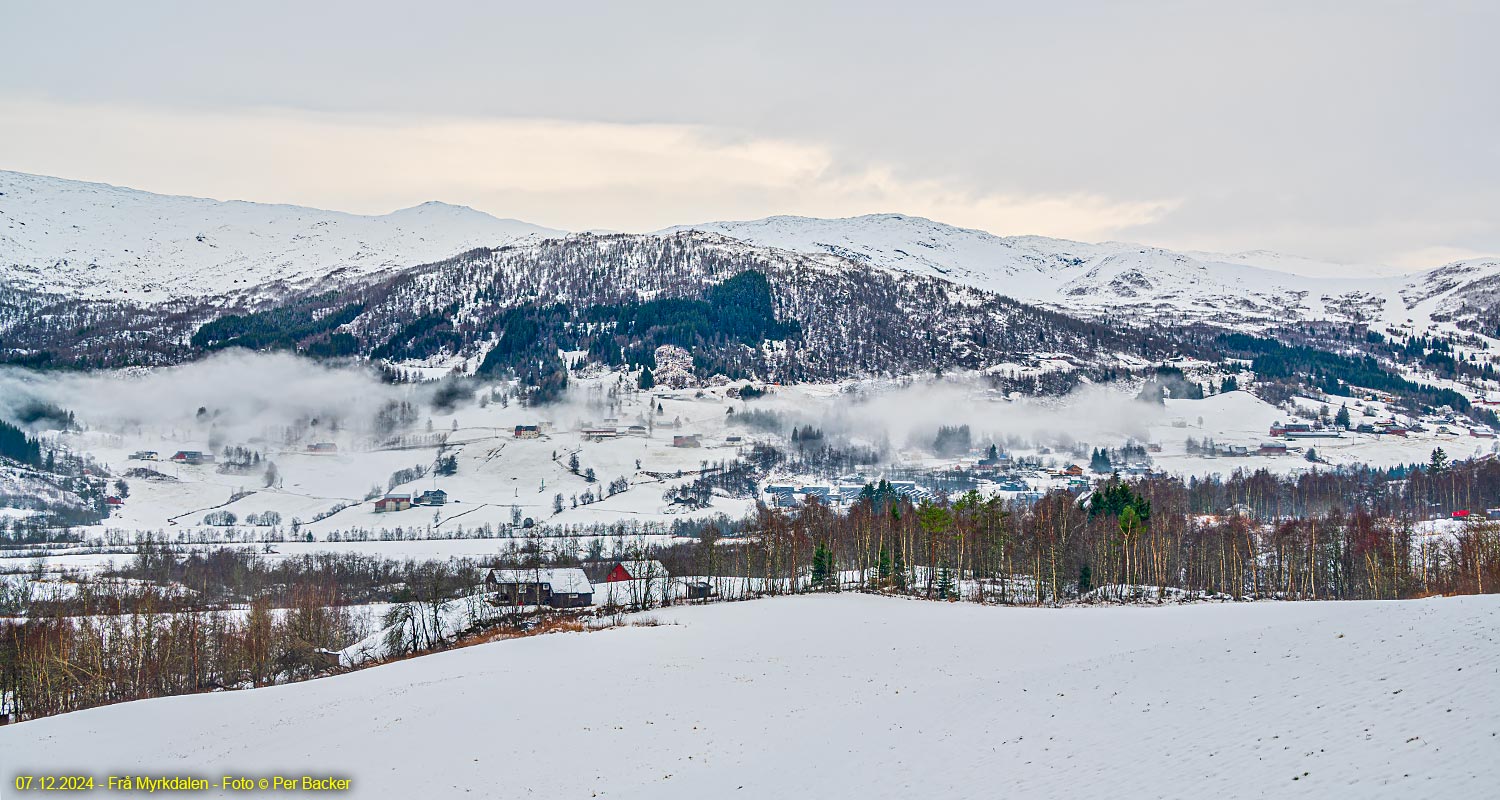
{"x": 636, "y": 571}
{"x": 1462, "y": 513}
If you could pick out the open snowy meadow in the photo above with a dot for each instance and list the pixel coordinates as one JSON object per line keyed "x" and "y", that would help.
{"x": 861, "y": 696}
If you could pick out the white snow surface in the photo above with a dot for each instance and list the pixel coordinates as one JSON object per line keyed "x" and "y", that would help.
{"x": 95, "y": 240}
{"x": 861, "y": 696}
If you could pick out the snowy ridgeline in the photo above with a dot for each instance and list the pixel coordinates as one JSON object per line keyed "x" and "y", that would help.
{"x": 859, "y": 696}
{"x": 97, "y": 240}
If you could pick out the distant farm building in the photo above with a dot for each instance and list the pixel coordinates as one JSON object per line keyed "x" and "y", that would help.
{"x": 528, "y": 431}
{"x": 599, "y": 434}
{"x": 143, "y": 455}
{"x": 322, "y": 447}
{"x": 432, "y": 497}
{"x": 1482, "y": 432}
{"x": 114, "y": 501}
{"x": 1462, "y": 513}
{"x": 636, "y": 571}
{"x": 393, "y": 502}
{"x": 563, "y": 587}
{"x": 192, "y": 457}
{"x": 1273, "y": 448}
{"x": 686, "y": 440}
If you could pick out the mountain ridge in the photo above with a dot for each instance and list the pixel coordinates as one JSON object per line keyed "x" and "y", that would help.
{"x": 96, "y": 241}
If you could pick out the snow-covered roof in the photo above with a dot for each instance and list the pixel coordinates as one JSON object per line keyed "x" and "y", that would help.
{"x": 645, "y": 569}
{"x": 562, "y": 580}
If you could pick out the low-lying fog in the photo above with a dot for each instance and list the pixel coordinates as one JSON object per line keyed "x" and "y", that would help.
{"x": 242, "y": 394}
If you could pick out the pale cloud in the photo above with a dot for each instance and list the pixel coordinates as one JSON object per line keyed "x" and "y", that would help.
{"x": 1428, "y": 257}
{"x": 565, "y": 173}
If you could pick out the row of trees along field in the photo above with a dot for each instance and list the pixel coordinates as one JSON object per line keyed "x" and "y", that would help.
{"x": 1140, "y": 535}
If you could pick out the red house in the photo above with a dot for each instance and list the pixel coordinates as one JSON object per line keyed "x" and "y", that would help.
{"x": 635, "y": 571}
{"x": 1462, "y": 513}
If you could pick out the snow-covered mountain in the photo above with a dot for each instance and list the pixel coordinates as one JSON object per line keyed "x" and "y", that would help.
{"x": 95, "y": 240}
{"x": 1117, "y": 276}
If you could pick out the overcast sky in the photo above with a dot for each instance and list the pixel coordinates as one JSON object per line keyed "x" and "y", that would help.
{"x": 1349, "y": 131}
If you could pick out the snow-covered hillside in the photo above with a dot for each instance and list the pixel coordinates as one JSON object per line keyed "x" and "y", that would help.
{"x": 860, "y": 696}
{"x": 94, "y": 240}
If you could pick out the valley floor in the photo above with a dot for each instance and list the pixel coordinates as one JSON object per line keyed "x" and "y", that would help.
{"x": 861, "y": 696}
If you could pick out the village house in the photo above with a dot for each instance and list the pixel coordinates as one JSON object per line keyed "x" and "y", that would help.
{"x": 557, "y": 587}
{"x": 432, "y": 497}
{"x": 322, "y": 448}
{"x": 1073, "y": 471}
{"x": 143, "y": 455}
{"x": 1272, "y": 448}
{"x": 192, "y": 457}
{"x": 393, "y": 502}
{"x": 528, "y": 431}
{"x": 686, "y": 440}
{"x": 636, "y": 571}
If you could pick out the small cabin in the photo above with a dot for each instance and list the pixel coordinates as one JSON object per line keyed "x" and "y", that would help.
{"x": 193, "y": 457}
{"x": 686, "y": 440}
{"x": 323, "y": 448}
{"x": 324, "y": 659}
{"x": 393, "y": 502}
{"x": 698, "y": 589}
{"x": 1462, "y": 513}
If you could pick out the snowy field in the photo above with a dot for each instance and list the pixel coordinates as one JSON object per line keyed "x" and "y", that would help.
{"x": 859, "y": 696}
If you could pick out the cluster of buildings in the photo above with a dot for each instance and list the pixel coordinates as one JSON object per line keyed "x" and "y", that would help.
{"x": 570, "y": 587}
{"x": 401, "y": 501}
{"x": 1304, "y": 430}
{"x": 192, "y": 457}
